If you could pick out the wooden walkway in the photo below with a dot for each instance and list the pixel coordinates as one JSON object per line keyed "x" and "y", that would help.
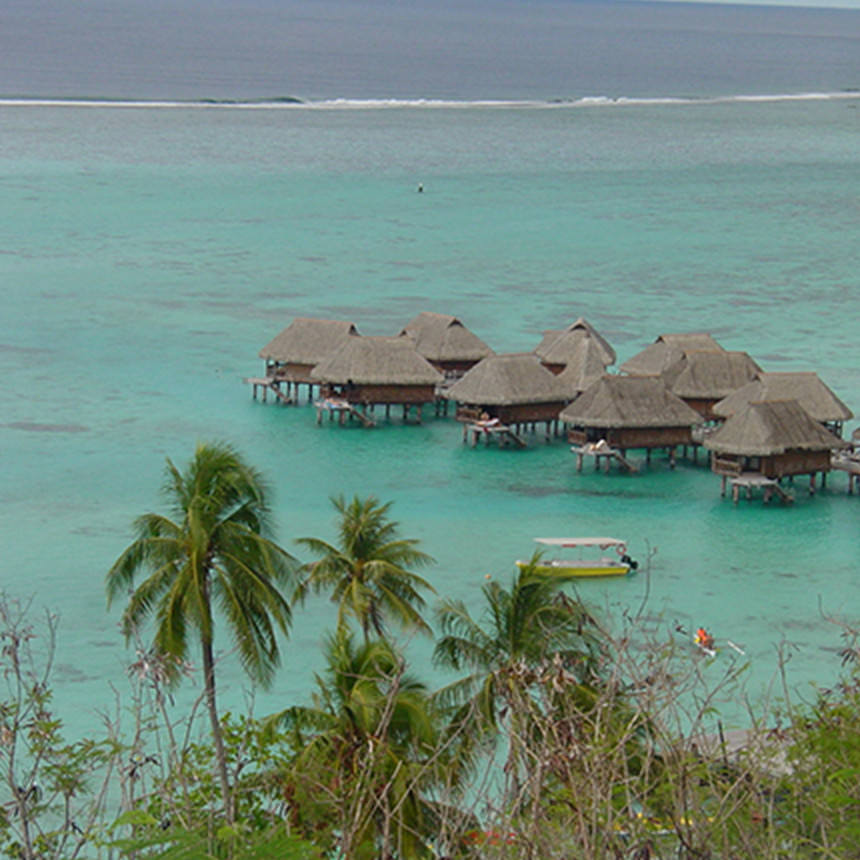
{"x": 603, "y": 455}
{"x": 848, "y": 462}
{"x": 267, "y": 384}
{"x": 343, "y": 411}
{"x": 488, "y": 431}
{"x": 755, "y": 480}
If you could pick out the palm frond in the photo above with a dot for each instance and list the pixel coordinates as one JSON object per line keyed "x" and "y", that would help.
{"x": 143, "y": 601}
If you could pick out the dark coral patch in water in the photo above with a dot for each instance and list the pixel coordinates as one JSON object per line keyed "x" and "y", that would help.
{"x": 34, "y": 427}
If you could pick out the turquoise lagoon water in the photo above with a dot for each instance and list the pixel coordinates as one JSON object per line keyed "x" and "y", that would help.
{"x": 149, "y": 253}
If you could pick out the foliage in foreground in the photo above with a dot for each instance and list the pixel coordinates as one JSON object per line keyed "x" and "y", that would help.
{"x": 374, "y": 767}
{"x": 564, "y": 739}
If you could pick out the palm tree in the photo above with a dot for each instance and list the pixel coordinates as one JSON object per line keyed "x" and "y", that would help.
{"x": 367, "y": 753}
{"x": 212, "y": 550}
{"x": 366, "y": 571}
{"x": 524, "y": 631}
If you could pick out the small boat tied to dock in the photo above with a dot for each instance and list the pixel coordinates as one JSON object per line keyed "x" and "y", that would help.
{"x": 613, "y": 561}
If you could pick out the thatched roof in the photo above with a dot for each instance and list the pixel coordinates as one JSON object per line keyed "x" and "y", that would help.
{"x": 307, "y": 341}
{"x": 439, "y": 337}
{"x": 666, "y": 350}
{"x": 578, "y": 329}
{"x": 584, "y": 367}
{"x": 503, "y": 380}
{"x": 806, "y": 388}
{"x": 377, "y": 361}
{"x": 709, "y": 374}
{"x": 629, "y": 401}
{"x": 772, "y": 427}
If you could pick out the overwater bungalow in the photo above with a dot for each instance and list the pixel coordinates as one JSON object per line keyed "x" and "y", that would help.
{"x": 575, "y": 350}
{"x": 618, "y": 413}
{"x": 578, "y": 329}
{"x": 446, "y": 343}
{"x": 364, "y": 372}
{"x": 769, "y": 440}
{"x": 806, "y": 388}
{"x": 513, "y": 389}
{"x": 701, "y": 378}
{"x": 665, "y": 351}
{"x": 583, "y": 368}
{"x": 302, "y": 345}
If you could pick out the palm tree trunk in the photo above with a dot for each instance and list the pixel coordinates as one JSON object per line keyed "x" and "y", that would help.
{"x": 217, "y": 736}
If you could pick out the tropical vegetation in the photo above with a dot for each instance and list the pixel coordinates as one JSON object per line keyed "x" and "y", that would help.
{"x": 561, "y": 733}
{"x": 367, "y": 570}
{"x": 216, "y": 551}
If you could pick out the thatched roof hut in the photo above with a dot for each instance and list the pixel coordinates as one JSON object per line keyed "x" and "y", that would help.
{"x": 373, "y": 370}
{"x": 776, "y": 438}
{"x": 806, "y": 388}
{"x": 703, "y": 377}
{"x": 630, "y": 412}
{"x": 666, "y": 350}
{"x": 580, "y": 328}
{"x": 303, "y": 344}
{"x": 576, "y": 349}
{"x": 584, "y": 366}
{"x": 445, "y": 342}
{"x": 515, "y": 388}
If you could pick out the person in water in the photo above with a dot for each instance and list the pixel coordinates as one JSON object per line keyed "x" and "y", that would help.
{"x": 704, "y": 639}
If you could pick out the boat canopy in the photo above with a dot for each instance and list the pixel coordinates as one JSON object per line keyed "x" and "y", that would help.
{"x": 602, "y": 542}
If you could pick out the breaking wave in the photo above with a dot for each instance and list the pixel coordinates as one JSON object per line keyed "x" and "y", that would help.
{"x": 292, "y": 103}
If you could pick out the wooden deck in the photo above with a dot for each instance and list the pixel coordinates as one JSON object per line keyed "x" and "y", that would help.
{"x": 750, "y": 481}
{"x": 848, "y": 462}
{"x": 265, "y": 384}
{"x": 603, "y": 455}
{"x": 342, "y": 411}
{"x": 489, "y": 431}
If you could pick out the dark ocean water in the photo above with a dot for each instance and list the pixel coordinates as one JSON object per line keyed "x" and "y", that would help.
{"x": 475, "y": 49}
